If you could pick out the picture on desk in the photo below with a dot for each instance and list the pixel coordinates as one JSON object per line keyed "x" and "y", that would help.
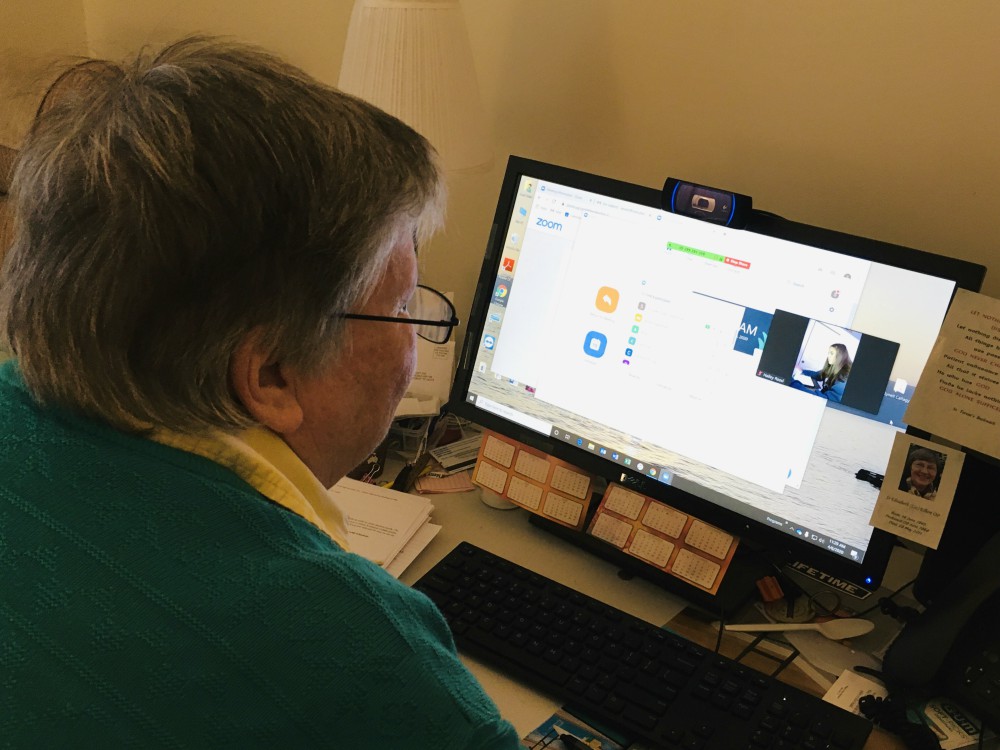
{"x": 559, "y": 731}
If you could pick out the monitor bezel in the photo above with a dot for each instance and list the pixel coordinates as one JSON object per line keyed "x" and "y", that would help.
{"x": 780, "y": 547}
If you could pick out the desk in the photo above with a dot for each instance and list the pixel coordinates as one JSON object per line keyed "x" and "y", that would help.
{"x": 509, "y": 534}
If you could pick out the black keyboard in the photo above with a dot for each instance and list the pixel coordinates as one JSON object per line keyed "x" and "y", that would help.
{"x": 642, "y": 680}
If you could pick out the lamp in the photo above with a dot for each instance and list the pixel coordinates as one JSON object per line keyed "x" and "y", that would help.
{"x": 413, "y": 59}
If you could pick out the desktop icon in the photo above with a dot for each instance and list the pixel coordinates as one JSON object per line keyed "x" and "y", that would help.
{"x": 631, "y": 340}
{"x": 635, "y": 329}
{"x": 501, "y": 290}
{"x": 514, "y": 239}
{"x": 626, "y": 362}
{"x": 638, "y": 317}
{"x": 523, "y": 211}
{"x": 899, "y": 386}
{"x": 595, "y": 344}
{"x": 607, "y": 299}
{"x": 628, "y": 352}
{"x": 642, "y": 305}
{"x": 489, "y": 342}
{"x": 508, "y": 264}
{"x": 482, "y": 367}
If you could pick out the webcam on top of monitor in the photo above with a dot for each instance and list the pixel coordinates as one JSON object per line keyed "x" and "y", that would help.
{"x": 706, "y": 203}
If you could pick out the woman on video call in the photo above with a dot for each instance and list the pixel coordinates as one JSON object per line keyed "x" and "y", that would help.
{"x": 829, "y": 381}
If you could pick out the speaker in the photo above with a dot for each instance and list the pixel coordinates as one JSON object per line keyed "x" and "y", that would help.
{"x": 973, "y": 521}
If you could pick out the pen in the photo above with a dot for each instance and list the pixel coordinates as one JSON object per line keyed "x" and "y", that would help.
{"x": 572, "y": 742}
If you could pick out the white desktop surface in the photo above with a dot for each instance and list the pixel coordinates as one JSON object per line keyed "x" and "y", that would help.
{"x": 508, "y": 533}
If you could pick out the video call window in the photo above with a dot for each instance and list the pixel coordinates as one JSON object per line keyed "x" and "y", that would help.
{"x": 843, "y": 366}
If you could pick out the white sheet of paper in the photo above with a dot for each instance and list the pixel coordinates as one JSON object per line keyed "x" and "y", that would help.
{"x": 912, "y": 516}
{"x": 379, "y": 520}
{"x": 958, "y": 396}
{"x": 431, "y": 384}
{"x": 850, "y": 688}
{"x": 412, "y": 548}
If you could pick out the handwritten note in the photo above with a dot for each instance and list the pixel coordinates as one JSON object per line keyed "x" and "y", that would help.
{"x": 958, "y": 397}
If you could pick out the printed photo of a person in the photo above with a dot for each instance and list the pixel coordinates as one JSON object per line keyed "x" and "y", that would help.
{"x": 828, "y": 381}
{"x": 922, "y": 472}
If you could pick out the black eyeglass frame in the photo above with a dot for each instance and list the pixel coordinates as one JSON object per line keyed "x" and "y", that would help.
{"x": 449, "y": 324}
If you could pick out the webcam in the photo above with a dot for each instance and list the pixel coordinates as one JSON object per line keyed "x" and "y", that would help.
{"x": 706, "y": 203}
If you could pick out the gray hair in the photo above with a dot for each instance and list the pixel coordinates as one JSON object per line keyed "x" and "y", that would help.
{"x": 165, "y": 208}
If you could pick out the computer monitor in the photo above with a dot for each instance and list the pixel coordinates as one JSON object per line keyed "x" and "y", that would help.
{"x": 703, "y": 365}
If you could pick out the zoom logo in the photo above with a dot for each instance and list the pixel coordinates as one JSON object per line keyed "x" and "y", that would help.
{"x": 548, "y": 224}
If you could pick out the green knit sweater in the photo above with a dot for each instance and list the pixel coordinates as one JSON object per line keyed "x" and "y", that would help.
{"x": 149, "y": 597}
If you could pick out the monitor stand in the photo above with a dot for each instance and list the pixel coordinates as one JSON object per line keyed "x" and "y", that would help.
{"x": 738, "y": 588}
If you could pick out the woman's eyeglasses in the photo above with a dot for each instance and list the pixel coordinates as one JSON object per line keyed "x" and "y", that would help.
{"x": 429, "y": 310}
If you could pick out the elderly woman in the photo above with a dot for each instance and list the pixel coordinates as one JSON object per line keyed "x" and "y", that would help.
{"x": 922, "y": 473}
{"x": 210, "y": 297}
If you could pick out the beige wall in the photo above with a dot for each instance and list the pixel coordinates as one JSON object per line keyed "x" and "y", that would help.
{"x": 876, "y": 118}
{"x": 32, "y": 34}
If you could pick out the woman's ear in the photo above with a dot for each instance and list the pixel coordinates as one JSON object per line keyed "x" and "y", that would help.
{"x": 266, "y": 388}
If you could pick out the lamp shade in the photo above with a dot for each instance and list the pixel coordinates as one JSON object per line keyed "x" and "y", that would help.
{"x": 413, "y": 59}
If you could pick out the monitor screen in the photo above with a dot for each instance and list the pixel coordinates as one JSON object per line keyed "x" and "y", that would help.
{"x": 755, "y": 378}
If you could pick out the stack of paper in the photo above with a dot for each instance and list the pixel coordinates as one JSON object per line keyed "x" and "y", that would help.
{"x": 459, "y": 455}
{"x": 389, "y": 528}
{"x": 431, "y": 383}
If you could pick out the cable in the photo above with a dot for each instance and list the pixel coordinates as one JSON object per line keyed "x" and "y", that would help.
{"x": 722, "y": 628}
{"x": 890, "y": 714}
{"x": 890, "y": 607}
